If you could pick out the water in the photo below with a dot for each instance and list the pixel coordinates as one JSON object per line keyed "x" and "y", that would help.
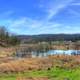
{"x": 69, "y": 52}
{"x": 49, "y": 52}
{"x": 53, "y": 52}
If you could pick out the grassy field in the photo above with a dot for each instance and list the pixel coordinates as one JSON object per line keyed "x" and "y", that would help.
{"x": 56, "y": 67}
{"x": 53, "y": 74}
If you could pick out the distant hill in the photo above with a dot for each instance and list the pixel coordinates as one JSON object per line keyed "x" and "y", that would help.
{"x": 49, "y": 37}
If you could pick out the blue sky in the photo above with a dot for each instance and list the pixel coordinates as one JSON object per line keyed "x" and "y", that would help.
{"x": 40, "y": 16}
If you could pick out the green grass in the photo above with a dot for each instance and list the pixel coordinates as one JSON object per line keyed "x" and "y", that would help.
{"x": 53, "y": 74}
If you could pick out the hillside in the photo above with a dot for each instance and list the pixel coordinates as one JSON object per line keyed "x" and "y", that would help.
{"x": 49, "y": 37}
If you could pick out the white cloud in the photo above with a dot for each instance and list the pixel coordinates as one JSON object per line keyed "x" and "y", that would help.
{"x": 40, "y": 26}
{"x": 55, "y": 9}
{"x": 27, "y": 25}
{"x": 24, "y": 22}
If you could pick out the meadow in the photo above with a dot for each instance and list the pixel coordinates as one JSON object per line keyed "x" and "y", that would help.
{"x": 53, "y": 74}
{"x": 56, "y": 67}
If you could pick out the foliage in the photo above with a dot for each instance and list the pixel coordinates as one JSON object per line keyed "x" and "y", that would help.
{"x": 6, "y": 39}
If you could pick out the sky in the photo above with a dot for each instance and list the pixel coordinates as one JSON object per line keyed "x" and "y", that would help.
{"x": 33, "y": 17}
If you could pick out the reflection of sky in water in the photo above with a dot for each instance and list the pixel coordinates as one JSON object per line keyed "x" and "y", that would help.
{"x": 63, "y": 51}
{"x": 50, "y": 52}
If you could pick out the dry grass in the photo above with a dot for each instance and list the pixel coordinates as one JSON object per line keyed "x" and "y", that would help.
{"x": 22, "y": 65}
{"x": 6, "y": 52}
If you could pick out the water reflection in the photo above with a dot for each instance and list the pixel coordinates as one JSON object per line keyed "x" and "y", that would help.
{"x": 46, "y": 53}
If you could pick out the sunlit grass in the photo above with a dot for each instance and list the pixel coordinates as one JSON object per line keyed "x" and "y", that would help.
{"x": 53, "y": 74}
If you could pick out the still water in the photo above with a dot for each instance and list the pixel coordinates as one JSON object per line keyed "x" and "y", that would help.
{"x": 53, "y": 52}
{"x": 46, "y": 53}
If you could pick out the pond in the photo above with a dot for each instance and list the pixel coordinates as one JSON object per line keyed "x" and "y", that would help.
{"x": 53, "y": 52}
{"x": 46, "y": 53}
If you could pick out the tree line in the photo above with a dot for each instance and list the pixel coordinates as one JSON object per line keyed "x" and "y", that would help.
{"x": 49, "y": 38}
{"x": 6, "y": 38}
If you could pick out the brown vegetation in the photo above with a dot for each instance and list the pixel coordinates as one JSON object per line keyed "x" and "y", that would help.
{"x": 6, "y": 52}
{"x": 23, "y": 65}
